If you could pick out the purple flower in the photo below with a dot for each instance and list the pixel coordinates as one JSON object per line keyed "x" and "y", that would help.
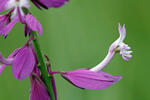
{"x": 30, "y": 22}
{"x": 23, "y": 61}
{"x": 49, "y": 3}
{"x": 15, "y": 15}
{"x": 94, "y": 78}
{"x": 38, "y": 89}
{"x": 86, "y": 79}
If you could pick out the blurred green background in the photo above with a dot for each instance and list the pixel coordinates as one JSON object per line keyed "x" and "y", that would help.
{"x": 78, "y": 35}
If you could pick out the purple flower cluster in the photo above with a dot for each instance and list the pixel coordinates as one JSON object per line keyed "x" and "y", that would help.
{"x": 25, "y": 62}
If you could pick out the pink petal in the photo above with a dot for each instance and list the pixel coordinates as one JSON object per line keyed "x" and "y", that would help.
{"x": 4, "y": 20}
{"x": 23, "y": 63}
{"x": 87, "y": 79}
{"x": 2, "y": 4}
{"x": 38, "y": 90}
{"x": 10, "y": 56}
{"x": 9, "y": 26}
{"x": 33, "y": 24}
{"x": 49, "y": 3}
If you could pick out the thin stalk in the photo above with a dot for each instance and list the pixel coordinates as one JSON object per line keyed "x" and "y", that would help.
{"x": 44, "y": 73}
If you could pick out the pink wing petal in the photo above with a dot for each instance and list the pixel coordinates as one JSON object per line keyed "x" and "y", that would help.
{"x": 23, "y": 63}
{"x": 9, "y": 26}
{"x": 33, "y": 24}
{"x": 87, "y": 79}
{"x": 38, "y": 90}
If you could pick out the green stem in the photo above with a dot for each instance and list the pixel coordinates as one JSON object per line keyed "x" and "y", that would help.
{"x": 43, "y": 68}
